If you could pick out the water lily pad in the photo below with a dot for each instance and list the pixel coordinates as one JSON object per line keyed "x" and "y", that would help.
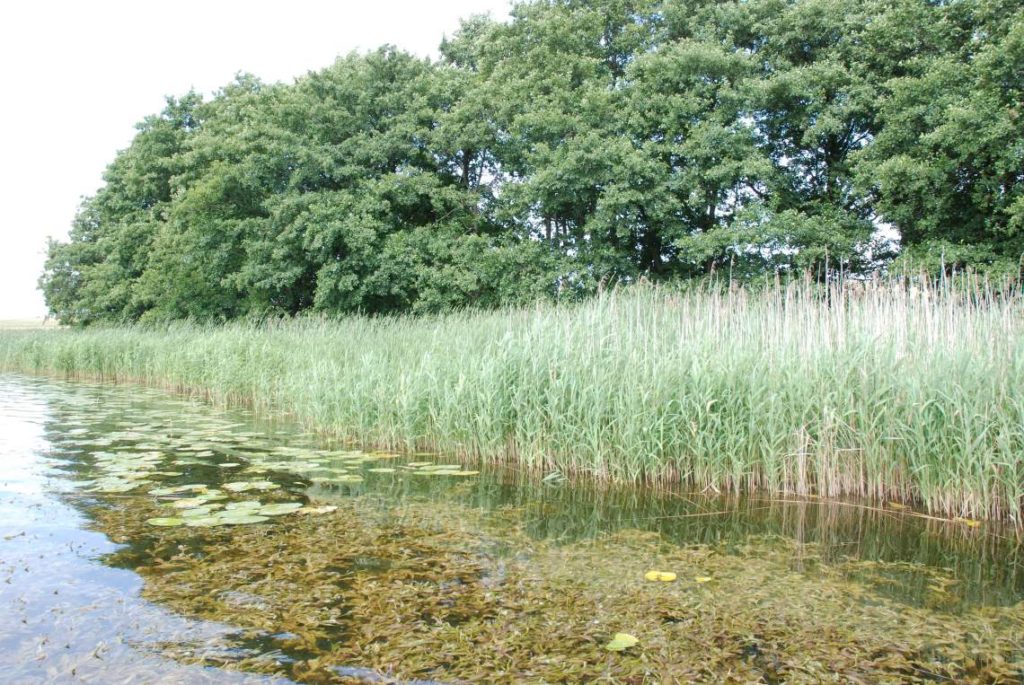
{"x": 244, "y": 486}
{"x": 117, "y": 487}
{"x": 381, "y": 469}
{"x": 163, "y": 492}
{"x": 166, "y": 521}
{"x": 241, "y": 520}
{"x": 703, "y": 579}
{"x": 189, "y": 502}
{"x": 279, "y": 509}
{"x": 246, "y": 504}
{"x": 204, "y": 522}
{"x": 620, "y": 642}
{"x": 198, "y": 512}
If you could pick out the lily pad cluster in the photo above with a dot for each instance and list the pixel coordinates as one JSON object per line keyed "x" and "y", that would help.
{"x": 200, "y": 506}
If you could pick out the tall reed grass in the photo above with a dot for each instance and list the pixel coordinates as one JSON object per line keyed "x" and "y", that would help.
{"x": 874, "y": 390}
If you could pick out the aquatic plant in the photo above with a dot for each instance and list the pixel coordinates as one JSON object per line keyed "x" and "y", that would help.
{"x": 880, "y": 390}
{"x": 405, "y": 578}
{"x": 422, "y": 593}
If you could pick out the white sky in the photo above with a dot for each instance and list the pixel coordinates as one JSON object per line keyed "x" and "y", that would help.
{"x": 76, "y": 76}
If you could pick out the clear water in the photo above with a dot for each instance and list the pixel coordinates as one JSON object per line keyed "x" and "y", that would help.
{"x": 84, "y": 596}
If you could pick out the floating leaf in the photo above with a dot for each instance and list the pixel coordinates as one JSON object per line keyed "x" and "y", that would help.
{"x": 620, "y": 642}
{"x": 163, "y": 492}
{"x": 240, "y": 520}
{"x": 663, "y": 576}
{"x": 189, "y": 502}
{"x": 703, "y": 579}
{"x": 168, "y": 522}
{"x": 243, "y": 486}
{"x": 117, "y": 487}
{"x": 381, "y": 470}
{"x": 279, "y": 509}
{"x": 204, "y": 522}
{"x": 197, "y": 512}
{"x": 246, "y": 504}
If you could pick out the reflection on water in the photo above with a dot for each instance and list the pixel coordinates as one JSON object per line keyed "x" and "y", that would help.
{"x": 152, "y": 539}
{"x": 64, "y": 615}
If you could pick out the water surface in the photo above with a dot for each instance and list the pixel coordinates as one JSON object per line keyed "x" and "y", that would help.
{"x": 150, "y": 538}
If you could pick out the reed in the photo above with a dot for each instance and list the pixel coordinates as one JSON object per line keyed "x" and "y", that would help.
{"x": 879, "y": 390}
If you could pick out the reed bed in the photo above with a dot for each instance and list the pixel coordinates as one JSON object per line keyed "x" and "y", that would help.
{"x": 877, "y": 390}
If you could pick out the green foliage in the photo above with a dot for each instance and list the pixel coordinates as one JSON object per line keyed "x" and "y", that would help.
{"x": 577, "y": 144}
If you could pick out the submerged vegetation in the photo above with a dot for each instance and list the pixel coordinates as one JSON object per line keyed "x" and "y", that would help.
{"x": 872, "y": 390}
{"x": 404, "y": 578}
{"x": 425, "y": 593}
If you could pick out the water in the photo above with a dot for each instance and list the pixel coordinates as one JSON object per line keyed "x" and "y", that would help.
{"x": 148, "y": 538}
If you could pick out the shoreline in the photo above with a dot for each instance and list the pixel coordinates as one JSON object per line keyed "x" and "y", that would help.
{"x": 878, "y": 399}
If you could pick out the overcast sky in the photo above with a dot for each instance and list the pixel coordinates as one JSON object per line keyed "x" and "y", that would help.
{"x": 77, "y": 76}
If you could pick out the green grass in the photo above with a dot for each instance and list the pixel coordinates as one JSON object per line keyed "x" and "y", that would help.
{"x": 882, "y": 391}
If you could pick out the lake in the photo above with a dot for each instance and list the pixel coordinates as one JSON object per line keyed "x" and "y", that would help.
{"x": 151, "y": 538}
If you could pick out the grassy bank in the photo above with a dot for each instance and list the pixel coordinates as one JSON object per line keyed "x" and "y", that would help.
{"x": 879, "y": 391}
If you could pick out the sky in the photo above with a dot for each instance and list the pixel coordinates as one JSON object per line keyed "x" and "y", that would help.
{"x": 75, "y": 78}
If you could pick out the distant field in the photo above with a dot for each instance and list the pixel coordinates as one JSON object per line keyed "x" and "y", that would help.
{"x": 26, "y": 324}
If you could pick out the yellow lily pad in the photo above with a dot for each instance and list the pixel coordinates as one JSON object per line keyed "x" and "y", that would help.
{"x": 703, "y": 579}
{"x": 663, "y": 576}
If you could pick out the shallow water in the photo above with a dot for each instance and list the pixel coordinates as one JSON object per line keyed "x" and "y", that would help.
{"x": 148, "y": 538}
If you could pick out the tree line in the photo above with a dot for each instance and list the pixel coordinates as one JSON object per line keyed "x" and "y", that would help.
{"x": 577, "y": 144}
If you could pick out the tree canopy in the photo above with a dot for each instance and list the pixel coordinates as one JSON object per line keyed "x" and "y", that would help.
{"x": 578, "y": 143}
